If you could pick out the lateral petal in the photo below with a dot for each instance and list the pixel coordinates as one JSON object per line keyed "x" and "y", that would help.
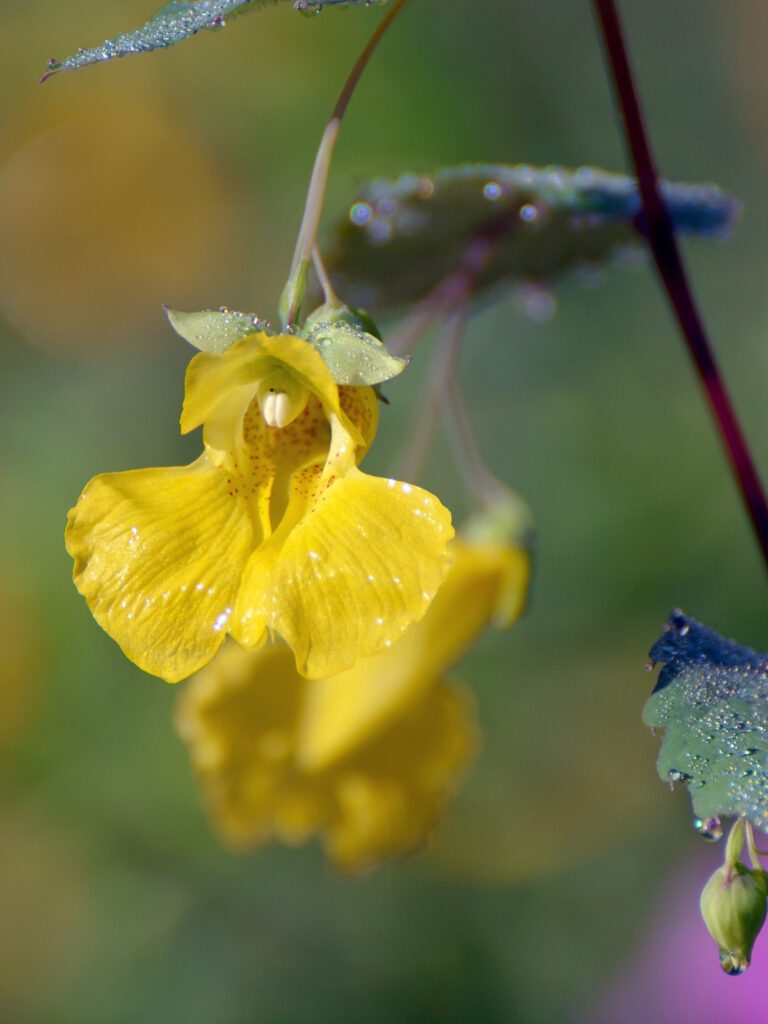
{"x": 238, "y": 718}
{"x": 392, "y": 793}
{"x": 159, "y": 554}
{"x": 351, "y": 576}
{"x": 486, "y": 582}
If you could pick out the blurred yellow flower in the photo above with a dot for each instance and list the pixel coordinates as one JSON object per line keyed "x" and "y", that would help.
{"x": 272, "y": 529}
{"x": 368, "y": 758}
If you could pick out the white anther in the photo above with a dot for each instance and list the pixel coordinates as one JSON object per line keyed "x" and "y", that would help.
{"x": 282, "y": 409}
{"x": 276, "y": 409}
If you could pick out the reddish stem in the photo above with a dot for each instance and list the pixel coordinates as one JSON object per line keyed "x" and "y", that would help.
{"x": 661, "y": 237}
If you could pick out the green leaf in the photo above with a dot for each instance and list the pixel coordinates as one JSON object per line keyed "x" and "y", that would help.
{"x": 352, "y": 354}
{"x": 175, "y": 22}
{"x": 712, "y": 699}
{"x": 215, "y": 330}
{"x": 398, "y": 240}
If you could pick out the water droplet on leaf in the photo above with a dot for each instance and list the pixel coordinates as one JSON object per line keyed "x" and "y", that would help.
{"x": 710, "y": 829}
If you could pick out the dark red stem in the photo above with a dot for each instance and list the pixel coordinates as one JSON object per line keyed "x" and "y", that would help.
{"x": 666, "y": 254}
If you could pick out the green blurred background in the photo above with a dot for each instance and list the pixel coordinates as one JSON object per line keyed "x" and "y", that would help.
{"x": 179, "y": 177}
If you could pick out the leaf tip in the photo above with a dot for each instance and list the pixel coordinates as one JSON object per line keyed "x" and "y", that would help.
{"x": 53, "y": 67}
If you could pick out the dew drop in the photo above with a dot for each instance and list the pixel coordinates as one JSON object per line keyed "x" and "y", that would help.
{"x": 492, "y": 190}
{"x": 709, "y": 828}
{"x": 220, "y": 622}
{"x": 360, "y": 214}
{"x": 733, "y": 963}
{"x": 425, "y": 189}
{"x": 535, "y": 302}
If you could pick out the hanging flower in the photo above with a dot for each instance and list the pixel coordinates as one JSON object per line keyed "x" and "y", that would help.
{"x": 367, "y": 759}
{"x": 273, "y": 529}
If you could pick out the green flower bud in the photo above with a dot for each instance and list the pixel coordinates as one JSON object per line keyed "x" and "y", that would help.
{"x": 733, "y": 905}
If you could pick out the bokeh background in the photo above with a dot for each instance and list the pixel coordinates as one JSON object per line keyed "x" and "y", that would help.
{"x": 563, "y": 885}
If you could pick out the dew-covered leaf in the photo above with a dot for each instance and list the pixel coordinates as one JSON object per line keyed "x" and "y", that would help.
{"x": 214, "y": 330}
{"x": 398, "y": 240}
{"x": 711, "y": 699}
{"x": 177, "y": 21}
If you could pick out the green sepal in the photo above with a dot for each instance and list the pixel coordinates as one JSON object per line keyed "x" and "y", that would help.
{"x": 214, "y": 330}
{"x": 350, "y": 346}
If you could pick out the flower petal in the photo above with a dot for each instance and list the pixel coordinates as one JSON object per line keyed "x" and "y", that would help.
{"x": 351, "y": 576}
{"x": 159, "y": 555}
{"x": 341, "y": 712}
{"x": 392, "y": 793}
{"x": 238, "y": 719}
{"x": 360, "y": 415}
{"x": 211, "y": 377}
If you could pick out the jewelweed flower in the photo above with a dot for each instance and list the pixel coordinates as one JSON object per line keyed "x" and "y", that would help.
{"x": 366, "y": 759}
{"x": 272, "y": 530}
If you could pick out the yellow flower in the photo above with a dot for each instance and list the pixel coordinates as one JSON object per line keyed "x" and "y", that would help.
{"x": 272, "y": 530}
{"x": 367, "y": 759}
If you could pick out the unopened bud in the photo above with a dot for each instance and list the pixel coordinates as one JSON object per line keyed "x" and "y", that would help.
{"x": 733, "y": 905}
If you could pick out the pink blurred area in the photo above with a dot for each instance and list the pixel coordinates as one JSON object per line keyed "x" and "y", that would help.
{"x": 674, "y": 975}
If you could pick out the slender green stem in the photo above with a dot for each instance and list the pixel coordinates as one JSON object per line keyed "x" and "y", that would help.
{"x": 735, "y": 842}
{"x": 331, "y": 298}
{"x": 293, "y": 293}
{"x": 445, "y": 361}
{"x": 295, "y": 289}
{"x": 479, "y": 480}
{"x": 452, "y": 291}
{"x": 754, "y": 853}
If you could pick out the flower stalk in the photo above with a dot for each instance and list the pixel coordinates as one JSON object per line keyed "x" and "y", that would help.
{"x": 295, "y": 289}
{"x": 445, "y": 363}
